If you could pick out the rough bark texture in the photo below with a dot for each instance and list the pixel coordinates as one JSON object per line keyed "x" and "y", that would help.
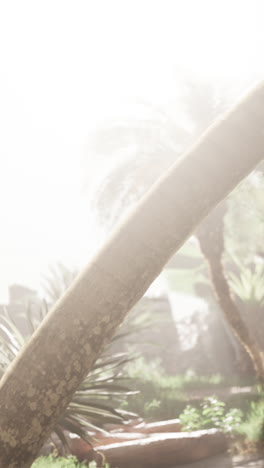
{"x": 211, "y": 238}
{"x": 40, "y": 383}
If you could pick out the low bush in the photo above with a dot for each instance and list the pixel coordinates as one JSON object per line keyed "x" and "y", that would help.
{"x": 248, "y": 426}
{"x": 211, "y": 413}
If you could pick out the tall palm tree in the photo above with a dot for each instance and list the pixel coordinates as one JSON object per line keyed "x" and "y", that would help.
{"x": 98, "y": 399}
{"x": 152, "y": 146}
{"x": 39, "y": 385}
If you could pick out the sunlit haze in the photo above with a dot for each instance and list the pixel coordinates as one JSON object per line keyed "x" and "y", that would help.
{"x": 68, "y": 67}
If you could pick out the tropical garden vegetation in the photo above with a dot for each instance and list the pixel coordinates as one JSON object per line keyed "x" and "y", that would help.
{"x": 226, "y": 240}
{"x": 125, "y": 268}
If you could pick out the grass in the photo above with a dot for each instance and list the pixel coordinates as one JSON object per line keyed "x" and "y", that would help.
{"x": 61, "y": 462}
{"x": 162, "y": 397}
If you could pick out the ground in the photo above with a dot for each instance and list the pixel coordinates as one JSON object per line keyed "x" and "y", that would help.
{"x": 225, "y": 461}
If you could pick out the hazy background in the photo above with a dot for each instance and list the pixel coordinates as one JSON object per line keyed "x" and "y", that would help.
{"x": 69, "y": 67}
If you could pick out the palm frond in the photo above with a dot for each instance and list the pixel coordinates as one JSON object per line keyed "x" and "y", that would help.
{"x": 95, "y": 403}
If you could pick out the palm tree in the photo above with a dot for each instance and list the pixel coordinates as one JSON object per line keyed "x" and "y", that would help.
{"x": 37, "y": 389}
{"x": 153, "y": 145}
{"x": 154, "y": 140}
{"x": 98, "y": 399}
{"x": 145, "y": 148}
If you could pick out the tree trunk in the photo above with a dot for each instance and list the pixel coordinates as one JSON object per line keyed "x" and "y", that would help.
{"x": 40, "y": 383}
{"x": 211, "y": 238}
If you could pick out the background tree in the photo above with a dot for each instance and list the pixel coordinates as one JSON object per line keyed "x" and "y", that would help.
{"x": 152, "y": 144}
{"x": 142, "y": 149}
{"x": 211, "y": 239}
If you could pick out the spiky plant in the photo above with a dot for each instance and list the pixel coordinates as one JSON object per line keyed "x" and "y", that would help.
{"x": 98, "y": 400}
{"x": 248, "y": 285}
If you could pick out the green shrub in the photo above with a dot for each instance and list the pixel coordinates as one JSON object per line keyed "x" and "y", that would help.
{"x": 60, "y": 462}
{"x": 253, "y": 427}
{"x": 161, "y": 396}
{"x": 190, "y": 419}
{"x": 212, "y": 413}
{"x": 157, "y": 397}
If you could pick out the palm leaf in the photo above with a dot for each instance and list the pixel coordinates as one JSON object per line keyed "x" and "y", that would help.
{"x": 94, "y": 403}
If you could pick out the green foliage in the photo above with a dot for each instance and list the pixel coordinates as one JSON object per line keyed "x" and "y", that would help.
{"x": 156, "y": 399}
{"x": 248, "y": 285}
{"x": 191, "y": 419}
{"x": 253, "y": 427}
{"x": 143, "y": 371}
{"x": 99, "y": 397}
{"x": 60, "y": 462}
{"x": 161, "y": 396}
{"x": 212, "y": 413}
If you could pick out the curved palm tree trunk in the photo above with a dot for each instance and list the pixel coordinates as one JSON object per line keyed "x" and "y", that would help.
{"x": 211, "y": 238}
{"x": 38, "y": 386}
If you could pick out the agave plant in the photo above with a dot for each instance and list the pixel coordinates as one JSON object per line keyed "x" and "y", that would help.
{"x": 248, "y": 286}
{"x": 96, "y": 403}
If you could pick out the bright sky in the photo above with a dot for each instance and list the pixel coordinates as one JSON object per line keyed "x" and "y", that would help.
{"x": 67, "y": 66}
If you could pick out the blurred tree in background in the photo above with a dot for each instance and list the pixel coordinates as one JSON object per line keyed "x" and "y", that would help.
{"x": 143, "y": 149}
